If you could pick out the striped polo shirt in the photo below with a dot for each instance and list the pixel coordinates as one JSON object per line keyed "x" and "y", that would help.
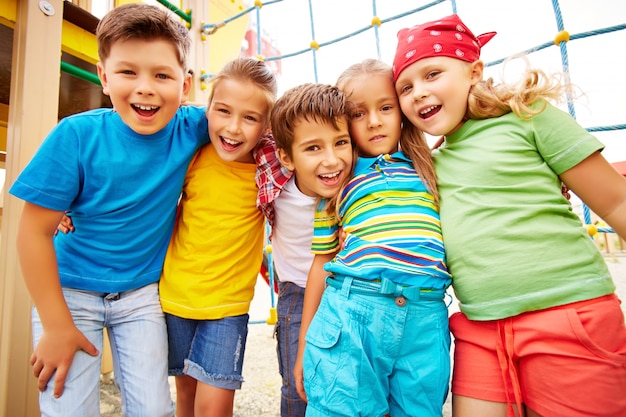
{"x": 392, "y": 226}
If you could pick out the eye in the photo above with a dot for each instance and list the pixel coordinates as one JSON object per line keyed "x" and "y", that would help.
{"x": 343, "y": 142}
{"x": 251, "y": 118}
{"x": 405, "y": 89}
{"x": 127, "y": 72}
{"x": 387, "y": 107}
{"x": 358, "y": 114}
{"x": 312, "y": 148}
{"x": 432, "y": 74}
{"x": 162, "y": 76}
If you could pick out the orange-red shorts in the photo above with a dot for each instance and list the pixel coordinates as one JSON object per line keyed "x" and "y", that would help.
{"x": 562, "y": 361}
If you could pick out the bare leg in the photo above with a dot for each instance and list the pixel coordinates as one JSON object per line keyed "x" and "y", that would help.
{"x": 213, "y": 401}
{"x": 531, "y": 413}
{"x": 185, "y": 395}
{"x": 472, "y": 407}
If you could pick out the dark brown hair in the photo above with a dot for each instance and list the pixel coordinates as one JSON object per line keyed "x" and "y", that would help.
{"x": 143, "y": 22}
{"x": 320, "y": 103}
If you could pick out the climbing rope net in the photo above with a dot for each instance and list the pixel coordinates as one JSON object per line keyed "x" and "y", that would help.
{"x": 527, "y": 33}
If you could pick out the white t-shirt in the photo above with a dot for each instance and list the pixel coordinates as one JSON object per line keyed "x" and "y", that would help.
{"x": 292, "y": 234}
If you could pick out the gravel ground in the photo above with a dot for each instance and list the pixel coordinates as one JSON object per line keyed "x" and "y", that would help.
{"x": 260, "y": 395}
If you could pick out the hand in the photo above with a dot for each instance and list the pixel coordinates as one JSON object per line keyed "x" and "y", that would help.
{"x": 55, "y": 353}
{"x": 65, "y": 225}
{"x": 341, "y": 235}
{"x": 565, "y": 192}
{"x": 298, "y": 375}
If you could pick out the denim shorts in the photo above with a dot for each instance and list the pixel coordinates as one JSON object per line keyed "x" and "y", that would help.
{"x": 137, "y": 332}
{"x": 373, "y": 355}
{"x": 210, "y": 351}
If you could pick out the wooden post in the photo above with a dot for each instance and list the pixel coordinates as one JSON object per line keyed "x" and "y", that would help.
{"x": 35, "y": 76}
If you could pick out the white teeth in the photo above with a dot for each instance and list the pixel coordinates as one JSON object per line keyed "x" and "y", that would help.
{"x": 431, "y": 108}
{"x": 329, "y": 176}
{"x": 142, "y": 107}
{"x": 230, "y": 141}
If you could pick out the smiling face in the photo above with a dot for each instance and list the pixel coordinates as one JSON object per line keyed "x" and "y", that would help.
{"x": 145, "y": 82}
{"x": 376, "y": 119}
{"x": 237, "y": 119}
{"x": 433, "y": 93}
{"x": 321, "y": 157}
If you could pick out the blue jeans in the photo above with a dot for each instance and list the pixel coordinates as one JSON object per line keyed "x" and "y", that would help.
{"x": 287, "y": 331}
{"x": 137, "y": 331}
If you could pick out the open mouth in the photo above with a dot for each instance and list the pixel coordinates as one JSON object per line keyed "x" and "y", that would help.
{"x": 229, "y": 144}
{"x": 331, "y": 178}
{"x": 145, "y": 111}
{"x": 429, "y": 112}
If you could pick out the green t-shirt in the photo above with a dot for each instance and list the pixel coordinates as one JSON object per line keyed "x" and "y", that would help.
{"x": 512, "y": 241}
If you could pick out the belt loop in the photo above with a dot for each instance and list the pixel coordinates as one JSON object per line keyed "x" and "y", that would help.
{"x": 346, "y": 286}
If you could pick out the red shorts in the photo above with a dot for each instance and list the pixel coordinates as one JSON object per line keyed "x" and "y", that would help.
{"x": 562, "y": 361}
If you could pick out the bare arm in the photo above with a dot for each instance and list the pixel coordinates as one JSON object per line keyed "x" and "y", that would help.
{"x": 61, "y": 339}
{"x": 315, "y": 285}
{"x": 602, "y": 188}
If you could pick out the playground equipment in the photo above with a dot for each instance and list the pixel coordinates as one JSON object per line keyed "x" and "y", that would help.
{"x": 32, "y": 33}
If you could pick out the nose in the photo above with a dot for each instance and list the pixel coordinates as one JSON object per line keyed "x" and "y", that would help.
{"x": 330, "y": 157}
{"x": 234, "y": 125}
{"x": 373, "y": 120}
{"x": 144, "y": 86}
{"x": 419, "y": 92}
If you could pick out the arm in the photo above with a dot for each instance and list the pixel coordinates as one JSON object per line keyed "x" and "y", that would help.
{"x": 602, "y": 188}
{"x": 315, "y": 285}
{"x": 60, "y": 339}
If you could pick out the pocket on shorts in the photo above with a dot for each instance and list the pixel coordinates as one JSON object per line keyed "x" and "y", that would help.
{"x": 323, "y": 332}
{"x": 322, "y": 356}
{"x": 601, "y": 330}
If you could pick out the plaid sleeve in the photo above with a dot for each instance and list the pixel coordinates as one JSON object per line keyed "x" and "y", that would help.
{"x": 270, "y": 177}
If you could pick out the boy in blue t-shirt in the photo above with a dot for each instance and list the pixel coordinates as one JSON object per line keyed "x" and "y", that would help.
{"x": 119, "y": 173}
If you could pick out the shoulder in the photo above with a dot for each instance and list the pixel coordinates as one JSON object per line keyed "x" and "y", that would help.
{"x": 192, "y": 111}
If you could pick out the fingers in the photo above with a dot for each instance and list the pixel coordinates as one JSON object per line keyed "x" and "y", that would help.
{"x": 89, "y": 348}
{"x": 59, "y": 381}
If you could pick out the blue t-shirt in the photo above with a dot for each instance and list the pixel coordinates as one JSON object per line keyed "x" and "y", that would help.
{"x": 121, "y": 189}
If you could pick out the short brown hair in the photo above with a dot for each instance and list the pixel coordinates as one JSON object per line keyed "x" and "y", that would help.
{"x": 321, "y": 103}
{"x": 252, "y": 70}
{"x": 144, "y": 22}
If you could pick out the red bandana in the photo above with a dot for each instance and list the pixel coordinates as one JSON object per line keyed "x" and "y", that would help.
{"x": 444, "y": 37}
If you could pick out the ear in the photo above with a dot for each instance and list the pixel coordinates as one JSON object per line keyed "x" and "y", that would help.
{"x": 284, "y": 159}
{"x": 186, "y": 88}
{"x": 103, "y": 78}
{"x": 476, "y": 72}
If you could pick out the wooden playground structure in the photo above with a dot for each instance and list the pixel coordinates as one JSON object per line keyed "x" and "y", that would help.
{"x": 48, "y": 54}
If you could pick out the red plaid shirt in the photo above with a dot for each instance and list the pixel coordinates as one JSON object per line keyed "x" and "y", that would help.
{"x": 270, "y": 176}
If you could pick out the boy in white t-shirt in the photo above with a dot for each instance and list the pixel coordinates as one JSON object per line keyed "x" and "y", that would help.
{"x": 293, "y": 204}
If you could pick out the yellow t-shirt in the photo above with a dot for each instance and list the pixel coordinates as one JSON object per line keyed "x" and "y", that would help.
{"x": 215, "y": 254}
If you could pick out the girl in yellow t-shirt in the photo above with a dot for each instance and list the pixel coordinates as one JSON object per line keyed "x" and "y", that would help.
{"x": 216, "y": 250}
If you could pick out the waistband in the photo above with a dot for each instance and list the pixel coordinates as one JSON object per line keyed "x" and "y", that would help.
{"x": 384, "y": 288}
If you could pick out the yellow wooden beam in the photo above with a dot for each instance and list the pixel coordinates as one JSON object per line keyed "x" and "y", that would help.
{"x": 79, "y": 42}
{"x": 8, "y": 12}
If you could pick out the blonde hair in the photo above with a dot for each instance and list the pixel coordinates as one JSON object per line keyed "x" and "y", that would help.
{"x": 412, "y": 140}
{"x": 488, "y": 99}
{"x": 144, "y": 22}
{"x": 249, "y": 70}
